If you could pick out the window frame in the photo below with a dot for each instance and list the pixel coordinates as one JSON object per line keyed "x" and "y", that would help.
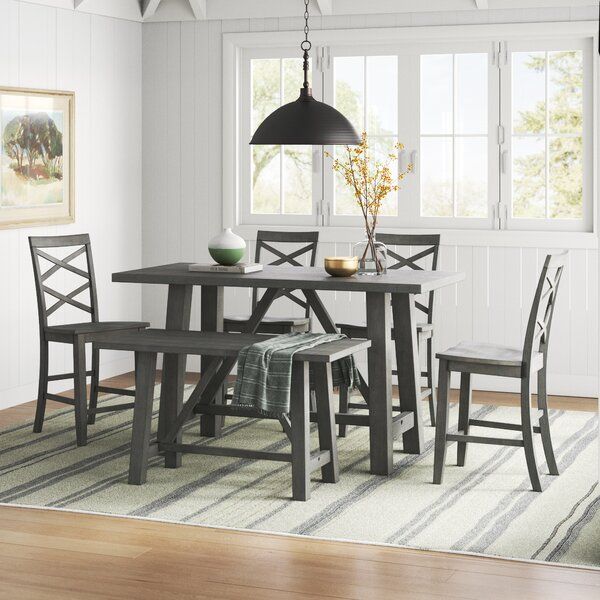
{"x": 234, "y": 44}
{"x": 505, "y": 206}
{"x": 245, "y": 150}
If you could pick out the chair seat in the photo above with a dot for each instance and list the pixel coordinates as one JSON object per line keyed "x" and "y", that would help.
{"x": 91, "y": 328}
{"x": 360, "y": 330}
{"x": 280, "y": 320}
{"x": 274, "y": 325}
{"x": 487, "y": 354}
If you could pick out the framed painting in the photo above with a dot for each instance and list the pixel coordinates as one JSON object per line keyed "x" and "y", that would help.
{"x": 36, "y": 157}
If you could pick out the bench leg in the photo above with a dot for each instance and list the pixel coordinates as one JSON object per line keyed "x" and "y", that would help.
{"x": 145, "y": 372}
{"x": 299, "y": 414}
{"x": 326, "y": 421}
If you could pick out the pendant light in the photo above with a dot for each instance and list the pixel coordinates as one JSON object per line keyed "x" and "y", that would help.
{"x": 305, "y": 121}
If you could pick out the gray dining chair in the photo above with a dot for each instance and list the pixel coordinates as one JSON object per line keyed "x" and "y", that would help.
{"x": 76, "y": 334}
{"x": 429, "y": 245}
{"x": 275, "y": 243}
{"x": 521, "y": 363}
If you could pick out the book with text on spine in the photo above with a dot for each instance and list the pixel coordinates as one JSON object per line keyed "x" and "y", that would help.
{"x": 214, "y": 268}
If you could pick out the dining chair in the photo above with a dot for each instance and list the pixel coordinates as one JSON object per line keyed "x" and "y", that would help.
{"x": 521, "y": 363}
{"x": 77, "y": 334}
{"x": 429, "y": 246}
{"x": 275, "y": 242}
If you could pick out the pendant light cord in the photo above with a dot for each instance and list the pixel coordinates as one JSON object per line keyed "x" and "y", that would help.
{"x": 305, "y": 46}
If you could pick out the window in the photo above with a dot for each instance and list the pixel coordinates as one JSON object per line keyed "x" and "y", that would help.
{"x": 497, "y": 133}
{"x": 454, "y": 135}
{"x": 281, "y": 175}
{"x": 366, "y": 91}
{"x": 545, "y": 158}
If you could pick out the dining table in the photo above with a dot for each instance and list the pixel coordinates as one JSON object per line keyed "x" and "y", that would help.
{"x": 389, "y": 299}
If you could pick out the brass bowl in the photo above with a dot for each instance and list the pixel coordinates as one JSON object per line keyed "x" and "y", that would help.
{"x": 341, "y": 266}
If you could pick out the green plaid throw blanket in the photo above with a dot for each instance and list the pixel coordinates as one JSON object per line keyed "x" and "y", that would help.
{"x": 264, "y": 372}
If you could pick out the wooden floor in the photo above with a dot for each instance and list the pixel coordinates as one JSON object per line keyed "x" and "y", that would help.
{"x": 60, "y": 555}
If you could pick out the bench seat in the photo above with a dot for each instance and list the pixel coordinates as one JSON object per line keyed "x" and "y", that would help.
{"x": 217, "y": 344}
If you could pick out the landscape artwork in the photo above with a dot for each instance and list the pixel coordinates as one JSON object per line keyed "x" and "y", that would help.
{"x": 36, "y": 157}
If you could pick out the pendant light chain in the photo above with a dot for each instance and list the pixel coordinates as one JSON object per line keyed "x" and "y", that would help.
{"x": 305, "y": 46}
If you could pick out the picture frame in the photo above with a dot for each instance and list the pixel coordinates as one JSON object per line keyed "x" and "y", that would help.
{"x": 37, "y": 157}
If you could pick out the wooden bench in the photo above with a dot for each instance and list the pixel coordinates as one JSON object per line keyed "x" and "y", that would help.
{"x": 223, "y": 347}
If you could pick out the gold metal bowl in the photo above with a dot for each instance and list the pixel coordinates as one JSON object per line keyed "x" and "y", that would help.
{"x": 341, "y": 266}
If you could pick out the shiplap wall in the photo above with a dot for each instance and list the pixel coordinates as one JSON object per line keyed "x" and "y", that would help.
{"x": 98, "y": 58}
{"x": 182, "y": 174}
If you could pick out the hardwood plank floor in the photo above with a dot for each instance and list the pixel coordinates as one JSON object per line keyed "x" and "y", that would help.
{"x": 48, "y": 554}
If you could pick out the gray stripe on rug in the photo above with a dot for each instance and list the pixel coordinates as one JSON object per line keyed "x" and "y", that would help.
{"x": 106, "y": 483}
{"x": 429, "y": 514}
{"x": 565, "y": 520}
{"x": 491, "y": 525}
{"x": 315, "y": 522}
{"x": 207, "y": 479}
{"x": 574, "y": 531}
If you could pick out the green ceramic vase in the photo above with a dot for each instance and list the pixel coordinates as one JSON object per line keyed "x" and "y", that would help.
{"x": 227, "y": 248}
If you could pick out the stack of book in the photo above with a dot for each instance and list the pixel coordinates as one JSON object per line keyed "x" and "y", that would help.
{"x": 214, "y": 268}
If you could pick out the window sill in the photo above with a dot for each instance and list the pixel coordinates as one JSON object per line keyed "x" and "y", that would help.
{"x": 450, "y": 237}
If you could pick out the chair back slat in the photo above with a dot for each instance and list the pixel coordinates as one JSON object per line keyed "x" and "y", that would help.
{"x": 432, "y": 247}
{"x": 40, "y": 247}
{"x": 542, "y": 309}
{"x": 265, "y": 241}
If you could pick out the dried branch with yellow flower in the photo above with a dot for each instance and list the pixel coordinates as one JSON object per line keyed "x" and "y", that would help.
{"x": 370, "y": 181}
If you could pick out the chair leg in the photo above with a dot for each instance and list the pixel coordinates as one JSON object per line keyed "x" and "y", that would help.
{"x": 545, "y": 423}
{"x": 145, "y": 372}
{"x": 40, "y": 410}
{"x": 326, "y": 421}
{"x": 94, "y": 386}
{"x": 464, "y": 411}
{"x": 528, "y": 435}
{"x": 80, "y": 395}
{"x": 344, "y": 394}
{"x": 430, "y": 381}
{"x": 441, "y": 427}
{"x": 300, "y": 438}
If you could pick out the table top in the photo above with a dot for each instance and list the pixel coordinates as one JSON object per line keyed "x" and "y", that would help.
{"x": 402, "y": 281}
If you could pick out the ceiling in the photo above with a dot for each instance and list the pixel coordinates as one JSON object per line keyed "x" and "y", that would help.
{"x": 189, "y": 10}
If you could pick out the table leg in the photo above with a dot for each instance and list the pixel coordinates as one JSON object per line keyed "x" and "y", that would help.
{"x": 409, "y": 369}
{"x": 380, "y": 382}
{"x": 211, "y": 319}
{"x": 179, "y": 305}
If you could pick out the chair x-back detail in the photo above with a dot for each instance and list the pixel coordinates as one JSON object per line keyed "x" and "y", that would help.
{"x": 50, "y": 301}
{"x": 425, "y": 259}
{"x": 265, "y": 242}
{"x": 491, "y": 359}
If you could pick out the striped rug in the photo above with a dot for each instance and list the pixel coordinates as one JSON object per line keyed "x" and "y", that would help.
{"x": 486, "y": 507}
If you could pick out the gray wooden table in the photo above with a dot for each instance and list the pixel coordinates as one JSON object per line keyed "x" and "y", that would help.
{"x": 387, "y": 296}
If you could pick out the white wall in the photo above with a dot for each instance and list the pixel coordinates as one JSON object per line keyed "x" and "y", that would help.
{"x": 98, "y": 58}
{"x": 182, "y": 198}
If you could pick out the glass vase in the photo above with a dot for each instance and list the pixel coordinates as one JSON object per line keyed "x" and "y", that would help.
{"x": 372, "y": 257}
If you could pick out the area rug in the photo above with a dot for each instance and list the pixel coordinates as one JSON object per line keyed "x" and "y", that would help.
{"x": 485, "y": 507}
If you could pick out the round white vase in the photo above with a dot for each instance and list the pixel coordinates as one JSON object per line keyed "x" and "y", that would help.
{"x": 227, "y": 248}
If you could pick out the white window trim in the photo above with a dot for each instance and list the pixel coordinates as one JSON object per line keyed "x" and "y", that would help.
{"x": 234, "y": 43}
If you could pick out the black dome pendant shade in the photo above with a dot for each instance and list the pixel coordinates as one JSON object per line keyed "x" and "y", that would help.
{"x": 306, "y": 121}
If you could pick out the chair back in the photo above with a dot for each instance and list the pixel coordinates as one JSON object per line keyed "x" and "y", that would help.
{"x": 265, "y": 241}
{"x": 432, "y": 248}
{"x": 42, "y": 249}
{"x": 544, "y": 301}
